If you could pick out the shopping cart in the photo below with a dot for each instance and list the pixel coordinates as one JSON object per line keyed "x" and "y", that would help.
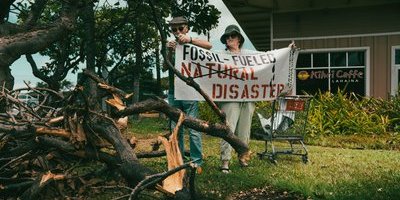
{"x": 286, "y": 124}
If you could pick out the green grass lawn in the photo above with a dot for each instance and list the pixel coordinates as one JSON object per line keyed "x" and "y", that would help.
{"x": 332, "y": 173}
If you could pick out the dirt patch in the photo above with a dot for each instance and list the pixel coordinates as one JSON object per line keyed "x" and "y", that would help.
{"x": 266, "y": 193}
{"x": 149, "y": 115}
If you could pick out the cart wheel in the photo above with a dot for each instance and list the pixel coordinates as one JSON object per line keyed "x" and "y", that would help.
{"x": 305, "y": 159}
{"x": 261, "y": 156}
{"x": 272, "y": 159}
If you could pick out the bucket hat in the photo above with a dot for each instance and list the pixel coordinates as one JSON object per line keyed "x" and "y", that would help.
{"x": 178, "y": 20}
{"x": 229, "y": 30}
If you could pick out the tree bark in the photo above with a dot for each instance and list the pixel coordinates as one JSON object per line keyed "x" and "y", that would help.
{"x": 131, "y": 168}
{"x": 7, "y": 81}
{"x": 137, "y": 68}
{"x": 19, "y": 42}
{"x": 159, "y": 91}
{"x": 90, "y": 49}
{"x": 38, "y": 185}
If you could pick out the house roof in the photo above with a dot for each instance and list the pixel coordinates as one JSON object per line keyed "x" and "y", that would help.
{"x": 255, "y": 16}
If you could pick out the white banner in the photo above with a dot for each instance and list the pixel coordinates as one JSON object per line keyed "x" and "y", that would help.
{"x": 250, "y": 76}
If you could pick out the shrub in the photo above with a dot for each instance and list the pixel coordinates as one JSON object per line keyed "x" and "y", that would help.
{"x": 336, "y": 114}
{"x": 346, "y": 114}
{"x": 391, "y": 109}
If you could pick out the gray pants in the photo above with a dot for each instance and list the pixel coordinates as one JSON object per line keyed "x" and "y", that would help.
{"x": 238, "y": 115}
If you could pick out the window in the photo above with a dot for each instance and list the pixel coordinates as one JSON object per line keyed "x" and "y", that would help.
{"x": 356, "y": 58}
{"x": 303, "y": 61}
{"x": 320, "y": 59}
{"x": 338, "y": 59}
{"x": 395, "y": 70}
{"x": 397, "y": 82}
{"x": 330, "y": 71}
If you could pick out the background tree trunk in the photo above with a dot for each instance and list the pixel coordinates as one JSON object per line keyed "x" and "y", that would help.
{"x": 6, "y": 80}
{"x": 139, "y": 61}
{"x": 90, "y": 51}
{"x": 158, "y": 72}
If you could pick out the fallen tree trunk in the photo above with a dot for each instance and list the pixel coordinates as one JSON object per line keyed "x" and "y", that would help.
{"x": 214, "y": 129}
{"x": 130, "y": 167}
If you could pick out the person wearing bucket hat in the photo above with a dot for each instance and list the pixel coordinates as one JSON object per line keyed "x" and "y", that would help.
{"x": 232, "y": 30}
{"x": 238, "y": 114}
{"x": 179, "y": 28}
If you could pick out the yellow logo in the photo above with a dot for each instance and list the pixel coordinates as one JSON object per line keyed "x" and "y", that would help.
{"x": 303, "y": 75}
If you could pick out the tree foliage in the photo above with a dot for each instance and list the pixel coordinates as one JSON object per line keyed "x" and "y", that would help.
{"x": 115, "y": 26}
{"x": 202, "y": 16}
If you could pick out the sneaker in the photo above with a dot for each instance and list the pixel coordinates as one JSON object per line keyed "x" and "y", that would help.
{"x": 225, "y": 170}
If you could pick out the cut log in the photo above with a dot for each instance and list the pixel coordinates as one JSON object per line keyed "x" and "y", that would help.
{"x": 52, "y": 131}
{"x": 55, "y": 120}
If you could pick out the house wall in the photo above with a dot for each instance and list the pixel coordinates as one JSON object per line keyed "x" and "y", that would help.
{"x": 377, "y": 28}
{"x": 345, "y": 21}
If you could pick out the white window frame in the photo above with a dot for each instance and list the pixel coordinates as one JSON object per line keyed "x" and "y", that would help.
{"x": 367, "y": 61}
{"x": 395, "y": 70}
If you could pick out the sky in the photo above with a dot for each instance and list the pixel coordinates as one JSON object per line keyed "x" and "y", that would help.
{"x": 21, "y": 69}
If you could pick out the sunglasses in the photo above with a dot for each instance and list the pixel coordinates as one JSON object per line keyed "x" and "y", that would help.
{"x": 174, "y": 29}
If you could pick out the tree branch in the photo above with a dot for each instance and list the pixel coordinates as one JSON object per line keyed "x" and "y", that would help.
{"x": 35, "y": 70}
{"x": 214, "y": 129}
{"x": 11, "y": 48}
